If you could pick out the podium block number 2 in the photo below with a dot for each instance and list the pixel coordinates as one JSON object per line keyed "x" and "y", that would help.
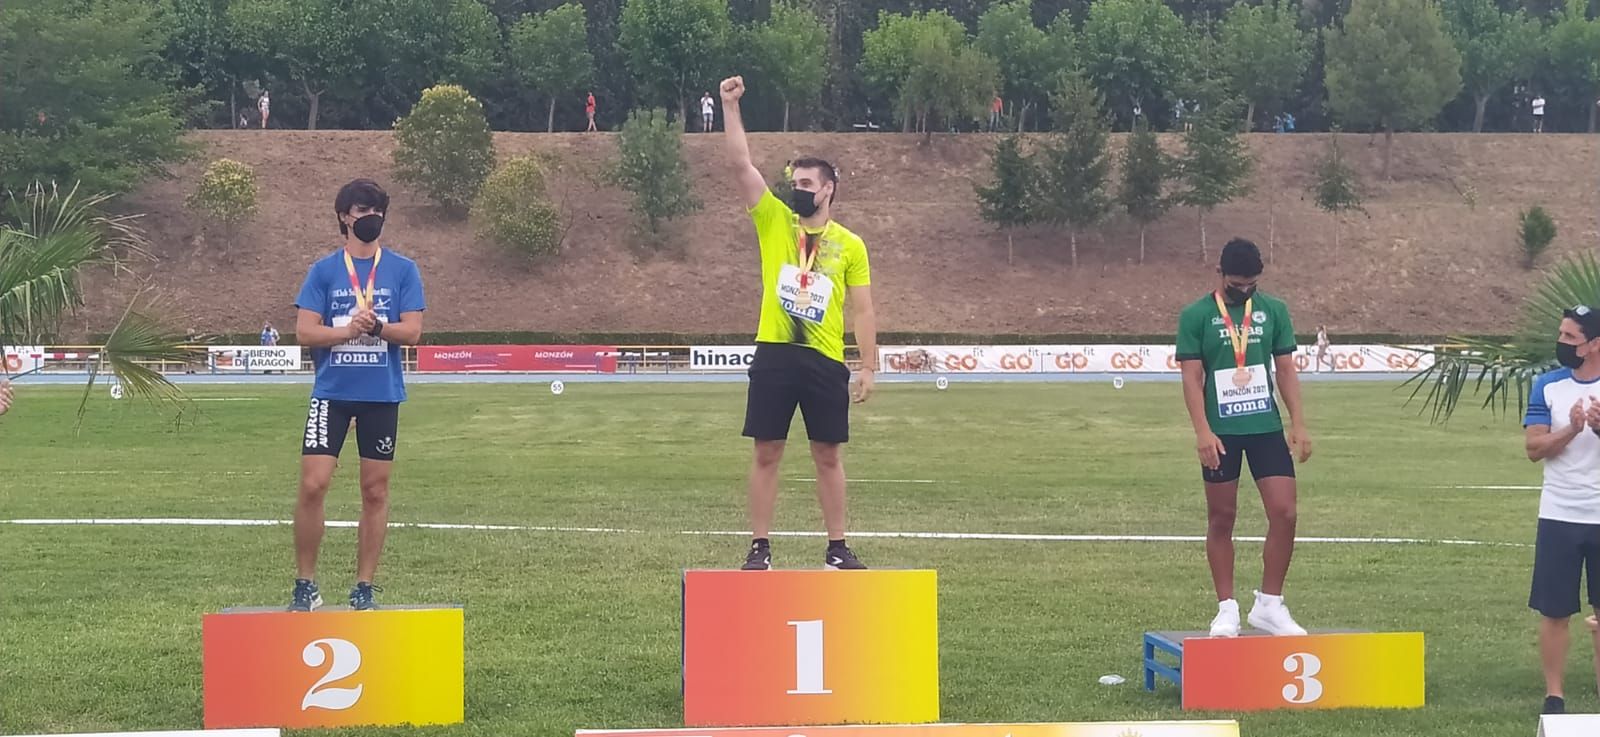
{"x": 1305, "y": 688}
{"x": 808, "y": 658}
{"x": 346, "y": 661}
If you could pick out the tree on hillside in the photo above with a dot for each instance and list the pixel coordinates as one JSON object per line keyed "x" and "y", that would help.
{"x": 1334, "y": 186}
{"x": 1074, "y": 165}
{"x": 1496, "y": 48}
{"x": 420, "y": 43}
{"x": 1007, "y": 202}
{"x": 227, "y": 195}
{"x": 1007, "y": 34}
{"x": 200, "y": 49}
{"x": 1575, "y": 57}
{"x": 1535, "y": 231}
{"x": 550, "y": 53}
{"x": 1145, "y": 171}
{"x": 786, "y": 47}
{"x": 1135, "y": 51}
{"x": 83, "y": 97}
{"x": 1391, "y": 66}
{"x": 889, "y": 56}
{"x": 674, "y": 47}
{"x": 949, "y": 82}
{"x": 1215, "y": 166}
{"x": 650, "y": 165}
{"x": 311, "y": 43}
{"x": 444, "y": 147}
{"x": 1265, "y": 54}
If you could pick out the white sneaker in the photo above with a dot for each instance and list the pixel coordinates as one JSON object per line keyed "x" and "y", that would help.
{"x": 1226, "y": 623}
{"x": 1271, "y": 616}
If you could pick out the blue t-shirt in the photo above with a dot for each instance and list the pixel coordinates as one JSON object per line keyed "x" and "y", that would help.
{"x": 365, "y": 369}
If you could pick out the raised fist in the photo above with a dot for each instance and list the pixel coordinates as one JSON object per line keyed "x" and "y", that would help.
{"x": 732, "y": 89}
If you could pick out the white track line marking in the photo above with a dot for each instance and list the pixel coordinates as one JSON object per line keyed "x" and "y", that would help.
{"x": 875, "y": 481}
{"x": 1000, "y": 536}
{"x": 153, "y": 471}
{"x": 1492, "y": 487}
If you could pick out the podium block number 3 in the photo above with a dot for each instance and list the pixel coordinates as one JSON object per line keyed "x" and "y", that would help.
{"x": 808, "y": 657}
{"x": 346, "y": 661}
{"x": 1305, "y": 688}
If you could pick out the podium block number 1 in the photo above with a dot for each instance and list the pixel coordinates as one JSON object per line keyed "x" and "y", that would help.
{"x": 346, "y": 661}
{"x": 865, "y": 648}
{"x": 808, "y": 657}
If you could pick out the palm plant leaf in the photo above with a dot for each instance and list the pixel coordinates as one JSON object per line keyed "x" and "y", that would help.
{"x": 47, "y": 238}
{"x": 137, "y": 340}
{"x": 1503, "y": 370}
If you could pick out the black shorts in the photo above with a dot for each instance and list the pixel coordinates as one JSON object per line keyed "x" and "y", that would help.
{"x": 1561, "y": 553}
{"x": 329, "y": 422}
{"x": 1268, "y": 454}
{"x": 784, "y": 376}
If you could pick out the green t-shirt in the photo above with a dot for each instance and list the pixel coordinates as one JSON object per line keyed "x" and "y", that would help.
{"x": 1246, "y": 407}
{"x": 840, "y": 260}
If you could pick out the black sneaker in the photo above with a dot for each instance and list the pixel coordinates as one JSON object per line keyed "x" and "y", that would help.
{"x": 758, "y": 559}
{"x": 1554, "y": 705}
{"x": 361, "y": 597}
{"x": 306, "y": 597}
{"x": 841, "y": 559}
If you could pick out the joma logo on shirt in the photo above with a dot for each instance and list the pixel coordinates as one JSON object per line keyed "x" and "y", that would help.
{"x": 358, "y": 359}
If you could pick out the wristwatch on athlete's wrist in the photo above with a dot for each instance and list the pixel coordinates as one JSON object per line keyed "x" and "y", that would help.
{"x": 377, "y": 329}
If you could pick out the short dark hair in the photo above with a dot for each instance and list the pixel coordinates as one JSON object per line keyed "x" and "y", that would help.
{"x": 1240, "y": 257}
{"x": 829, "y": 172}
{"x": 1588, "y": 320}
{"x": 359, "y": 192}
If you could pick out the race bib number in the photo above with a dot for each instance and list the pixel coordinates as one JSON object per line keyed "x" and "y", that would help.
{"x": 809, "y": 303}
{"x": 363, "y": 351}
{"x": 1241, "y": 394}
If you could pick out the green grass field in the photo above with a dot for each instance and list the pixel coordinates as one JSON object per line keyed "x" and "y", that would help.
{"x": 100, "y": 626}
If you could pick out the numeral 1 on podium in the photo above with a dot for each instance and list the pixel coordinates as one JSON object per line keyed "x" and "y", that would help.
{"x": 808, "y": 658}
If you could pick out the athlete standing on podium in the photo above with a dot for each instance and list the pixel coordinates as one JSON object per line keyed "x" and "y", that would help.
{"x": 811, "y": 267}
{"x": 1232, "y": 343}
{"x": 358, "y": 305}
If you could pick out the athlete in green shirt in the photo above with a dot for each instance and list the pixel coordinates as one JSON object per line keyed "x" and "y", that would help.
{"x": 1232, "y": 344}
{"x": 812, "y": 269}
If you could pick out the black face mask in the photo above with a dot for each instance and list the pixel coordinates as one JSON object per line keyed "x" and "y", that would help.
{"x": 1238, "y": 296}
{"x": 368, "y": 227}
{"x": 1567, "y": 355}
{"x": 803, "y": 203}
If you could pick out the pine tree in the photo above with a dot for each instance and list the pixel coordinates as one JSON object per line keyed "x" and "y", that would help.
{"x": 1334, "y": 186}
{"x": 1074, "y": 166}
{"x": 1215, "y": 165}
{"x": 1145, "y": 170}
{"x": 1005, "y": 203}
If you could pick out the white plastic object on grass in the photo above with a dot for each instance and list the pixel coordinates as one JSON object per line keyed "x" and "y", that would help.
{"x": 556, "y": 387}
{"x": 1112, "y": 680}
{"x": 941, "y": 383}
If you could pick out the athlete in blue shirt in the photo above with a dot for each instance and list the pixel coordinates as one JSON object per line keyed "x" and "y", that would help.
{"x": 358, "y": 306}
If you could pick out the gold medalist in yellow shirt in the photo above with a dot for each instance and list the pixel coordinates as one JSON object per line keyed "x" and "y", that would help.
{"x": 805, "y": 278}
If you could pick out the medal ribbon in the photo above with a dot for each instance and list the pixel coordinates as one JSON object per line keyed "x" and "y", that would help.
{"x": 1240, "y": 337}
{"x": 808, "y": 256}
{"x": 363, "y": 299}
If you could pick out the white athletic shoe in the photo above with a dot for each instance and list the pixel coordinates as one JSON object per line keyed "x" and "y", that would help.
{"x": 1271, "y": 616}
{"x": 1226, "y": 623}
